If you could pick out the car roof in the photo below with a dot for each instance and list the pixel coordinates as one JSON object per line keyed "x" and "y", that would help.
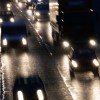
{"x": 30, "y": 80}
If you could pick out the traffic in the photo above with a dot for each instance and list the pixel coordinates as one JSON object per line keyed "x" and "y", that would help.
{"x": 58, "y": 40}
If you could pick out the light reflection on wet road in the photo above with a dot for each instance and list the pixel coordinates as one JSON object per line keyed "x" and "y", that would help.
{"x": 83, "y": 87}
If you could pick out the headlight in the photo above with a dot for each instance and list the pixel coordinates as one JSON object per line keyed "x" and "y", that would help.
{"x": 28, "y": 0}
{"x": 40, "y": 94}
{"x": 95, "y": 62}
{"x": 1, "y": 20}
{"x": 66, "y": 44}
{"x": 5, "y": 42}
{"x": 24, "y": 41}
{"x": 92, "y": 42}
{"x": 48, "y": 13}
{"x": 12, "y": 20}
{"x": 8, "y": 9}
{"x": 8, "y": 5}
{"x": 74, "y": 63}
{"x": 20, "y": 95}
{"x": 37, "y": 14}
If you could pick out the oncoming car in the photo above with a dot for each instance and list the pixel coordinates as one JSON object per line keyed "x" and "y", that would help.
{"x": 5, "y": 5}
{"x": 14, "y": 35}
{"x": 41, "y": 11}
{"x": 83, "y": 60}
{"x": 7, "y": 16}
{"x": 29, "y": 88}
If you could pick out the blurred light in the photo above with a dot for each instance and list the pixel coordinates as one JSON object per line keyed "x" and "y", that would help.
{"x": 40, "y": 94}
{"x": 28, "y": 0}
{"x": 20, "y": 4}
{"x": 39, "y": 0}
{"x": 1, "y": 20}
{"x": 8, "y": 5}
{"x": 65, "y": 44}
{"x": 95, "y": 62}
{"x": 5, "y": 42}
{"x": 24, "y": 41}
{"x": 91, "y": 10}
{"x": 92, "y": 42}
{"x": 12, "y": 20}
{"x": 20, "y": 95}
{"x": 37, "y": 14}
{"x": 8, "y": 9}
{"x": 29, "y": 12}
{"x": 74, "y": 63}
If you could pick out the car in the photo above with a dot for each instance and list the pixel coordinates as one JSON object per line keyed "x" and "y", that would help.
{"x": 29, "y": 88}
{"x": 30, "y": 3}
{"x": 14, "y": 35}
{"x": 41, "y": 11}
{"x": 5, "y": 5}
{"x": 83, "y": 59}
{"x": 7, "y": 16}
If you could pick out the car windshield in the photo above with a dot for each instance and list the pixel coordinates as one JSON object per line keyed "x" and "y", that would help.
{"x": 6, "y": 13}
{"x": 42, "y": 7}
{"x": 13, "y": 30}
{"x": 84, "y": 53}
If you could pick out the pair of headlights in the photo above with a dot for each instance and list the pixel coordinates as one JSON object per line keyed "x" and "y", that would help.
{"x": 94, "y": 61}
{"x": 92, "y": 42}
{"x": 23, "y": 40}
{"x": 39, "y": 95}
{"x": 11, "y": 20}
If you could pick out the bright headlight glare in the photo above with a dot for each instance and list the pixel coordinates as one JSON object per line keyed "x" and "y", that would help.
{"x": 37, "y": 14}
{"x": 65, "y": 44}
{"x": 8, "y": 9}
{"x": 40, "y": 94}
{"x": 12, "y": 19}
{"x": 39, "y": 0}
{"x": 8, "y": 5}
{"x": 28, "y": 0}
{"x": 95, "y": 62}
{"x": 24, "y": 41}
{"x": 92, "y": 42}
{"x": 5, "y": 42}
{"x": 20, "y": 95}
{"x": 74, "y": 63}
{"x": 1, "y": 20}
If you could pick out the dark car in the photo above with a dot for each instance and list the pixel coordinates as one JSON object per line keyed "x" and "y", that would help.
{"x": 82, "y": 60}
{"x": 41, "y": 11}
{"x": 31, "y": 3}
{"x": 14, "y": 34}
{"x": 6, "y": 4}
{"x": 79, "y": 29}
{"x": 29, "y": 88}
{"x": 7, "y": 16}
